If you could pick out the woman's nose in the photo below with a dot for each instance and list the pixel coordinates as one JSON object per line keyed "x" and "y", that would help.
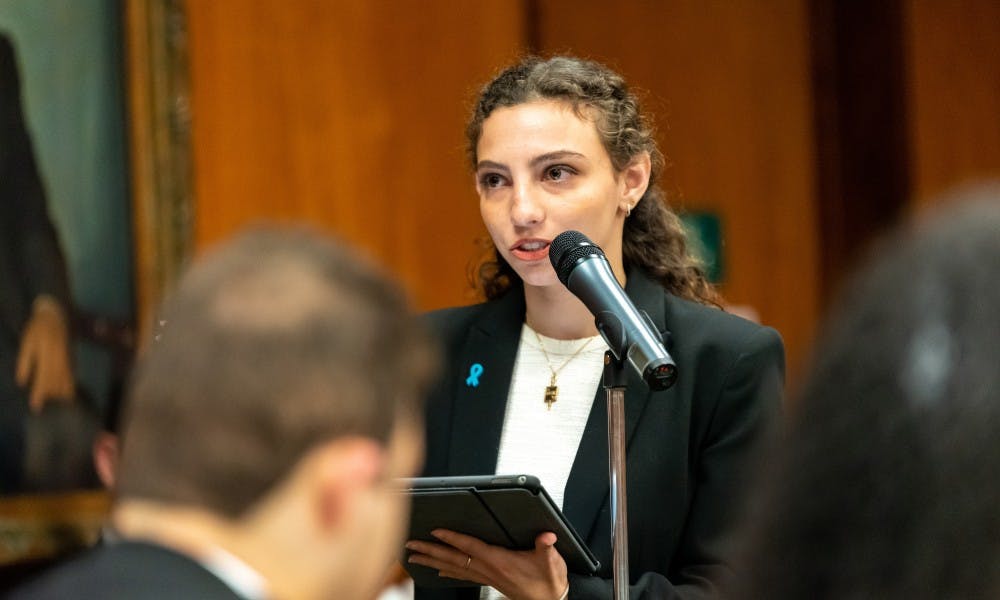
{"x": 526, "y": 208}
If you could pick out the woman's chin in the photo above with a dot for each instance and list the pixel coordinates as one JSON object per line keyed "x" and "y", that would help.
{"x": 540, "y": 279}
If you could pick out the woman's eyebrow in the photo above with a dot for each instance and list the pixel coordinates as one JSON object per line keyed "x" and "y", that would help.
{"x": 555, "y": 155}
{"x": 489, "y": 164}
{"x": 541, "y": 158}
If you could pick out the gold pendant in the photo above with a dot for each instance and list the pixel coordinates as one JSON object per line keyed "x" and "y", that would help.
{"x": 550, "y": 395}
{"x": 551, "y": 392}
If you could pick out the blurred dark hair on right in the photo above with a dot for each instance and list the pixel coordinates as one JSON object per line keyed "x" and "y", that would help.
{"x": 887, "y": 484}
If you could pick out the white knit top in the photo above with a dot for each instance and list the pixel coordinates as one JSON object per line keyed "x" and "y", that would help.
{"x": 537, "y": 440}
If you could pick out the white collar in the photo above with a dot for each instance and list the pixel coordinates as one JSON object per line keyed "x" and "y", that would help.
{"x": 238, "y": 575}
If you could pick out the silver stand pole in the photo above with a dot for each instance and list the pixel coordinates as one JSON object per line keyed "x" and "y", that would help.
{"x": 614, "y": 386}
{"x": 619, "y": 508}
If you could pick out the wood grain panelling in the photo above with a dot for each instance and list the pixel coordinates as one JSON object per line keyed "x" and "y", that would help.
{"x": 862, "y": 130}
{"x": 348, "y": 115}
{"x": 954, "y": 93}
{"x": 729, "y": 83}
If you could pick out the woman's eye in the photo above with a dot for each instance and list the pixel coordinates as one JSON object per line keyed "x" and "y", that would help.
{"x": 491, "y": 180}
{"x": 557, "y": 173}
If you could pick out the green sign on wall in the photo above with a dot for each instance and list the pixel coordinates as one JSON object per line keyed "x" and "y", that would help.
{"x": 704, "y": 230}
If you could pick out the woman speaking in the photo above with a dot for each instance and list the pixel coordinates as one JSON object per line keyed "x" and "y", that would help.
{"x": 557, "y": 145}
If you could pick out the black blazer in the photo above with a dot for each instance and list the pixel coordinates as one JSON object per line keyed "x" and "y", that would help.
{"x": 127, "y": 571}
{"x": 686, "y": 446}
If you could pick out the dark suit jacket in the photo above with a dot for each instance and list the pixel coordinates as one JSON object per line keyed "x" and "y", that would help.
{"x": 686, "y": 446}
{"x": 31, "y": 262}
{"x": 128, "y": 571}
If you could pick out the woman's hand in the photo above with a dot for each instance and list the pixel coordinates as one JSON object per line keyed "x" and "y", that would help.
{"x": 43, "y": 363}
{"x": 538, "y": 574}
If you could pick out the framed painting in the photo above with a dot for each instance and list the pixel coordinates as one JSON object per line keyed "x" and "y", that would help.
{"x": 95, "y": 191}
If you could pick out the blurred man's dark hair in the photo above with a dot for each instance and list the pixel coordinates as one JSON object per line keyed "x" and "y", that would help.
{"x": 300, "y": 341}
{"x": 887, "y": 485}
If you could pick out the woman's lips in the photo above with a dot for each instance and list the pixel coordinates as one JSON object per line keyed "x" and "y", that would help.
{"x": 530, "y": 250}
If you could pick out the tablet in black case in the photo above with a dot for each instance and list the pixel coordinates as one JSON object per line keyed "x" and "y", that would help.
{"x": 503, "y": 510}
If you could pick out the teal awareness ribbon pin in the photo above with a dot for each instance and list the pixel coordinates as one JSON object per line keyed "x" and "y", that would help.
{"x": 474, "y": 372}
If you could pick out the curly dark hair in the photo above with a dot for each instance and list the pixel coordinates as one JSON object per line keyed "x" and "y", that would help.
{"x": 653, "y": 240}
{"x": 886, "y": 485}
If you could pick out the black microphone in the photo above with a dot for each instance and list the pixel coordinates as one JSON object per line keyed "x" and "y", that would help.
{"x": 583, "y": 268}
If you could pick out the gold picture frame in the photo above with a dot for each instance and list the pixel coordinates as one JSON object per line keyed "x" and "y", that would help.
{"x": 157, "y": 77}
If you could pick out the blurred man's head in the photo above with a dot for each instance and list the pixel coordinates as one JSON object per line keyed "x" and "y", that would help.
{"x": 887, "y": 484}
{"x": 277, "y": 404}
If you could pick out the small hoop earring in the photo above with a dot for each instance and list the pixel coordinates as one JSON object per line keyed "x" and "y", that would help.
{"x": 628, "y": 210}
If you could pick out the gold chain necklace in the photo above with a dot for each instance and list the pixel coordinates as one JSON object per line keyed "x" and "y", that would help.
{"x": 552, "y": 391}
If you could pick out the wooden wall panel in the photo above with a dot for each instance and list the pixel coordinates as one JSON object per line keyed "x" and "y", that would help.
{"x": 730, "y": 87}
{"x": 348, "y": 115}
{"x": 862, "y": 131}
{"x": 954, "y": 92}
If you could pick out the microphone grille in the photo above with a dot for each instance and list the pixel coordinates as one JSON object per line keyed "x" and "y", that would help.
{"x": 567, "y": 249}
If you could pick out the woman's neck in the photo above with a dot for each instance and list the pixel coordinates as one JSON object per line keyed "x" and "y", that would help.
{"x": 555, "y": 312}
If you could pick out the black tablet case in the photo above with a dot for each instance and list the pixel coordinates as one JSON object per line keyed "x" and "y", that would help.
{"x": 503, "y": 510}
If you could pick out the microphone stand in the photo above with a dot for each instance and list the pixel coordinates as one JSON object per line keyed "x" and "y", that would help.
{"x": 614, "y": 383}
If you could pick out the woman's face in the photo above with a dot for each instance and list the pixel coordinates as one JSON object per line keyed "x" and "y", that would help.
{"x": 542, "y": 170}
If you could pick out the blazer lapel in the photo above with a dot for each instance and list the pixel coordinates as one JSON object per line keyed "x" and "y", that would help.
{"x": 481, "y": 396}
{"x": 588, "y": 487}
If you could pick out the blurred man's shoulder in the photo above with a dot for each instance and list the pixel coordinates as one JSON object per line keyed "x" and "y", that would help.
{"x": 127, "y": 570}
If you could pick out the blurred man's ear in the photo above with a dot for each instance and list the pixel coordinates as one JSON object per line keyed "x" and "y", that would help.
{"x": 105, "y": 452}
{"x": 342, "y": 471}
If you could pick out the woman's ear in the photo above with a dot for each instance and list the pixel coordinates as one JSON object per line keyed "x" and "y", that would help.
{"x": 634, "y": 179}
